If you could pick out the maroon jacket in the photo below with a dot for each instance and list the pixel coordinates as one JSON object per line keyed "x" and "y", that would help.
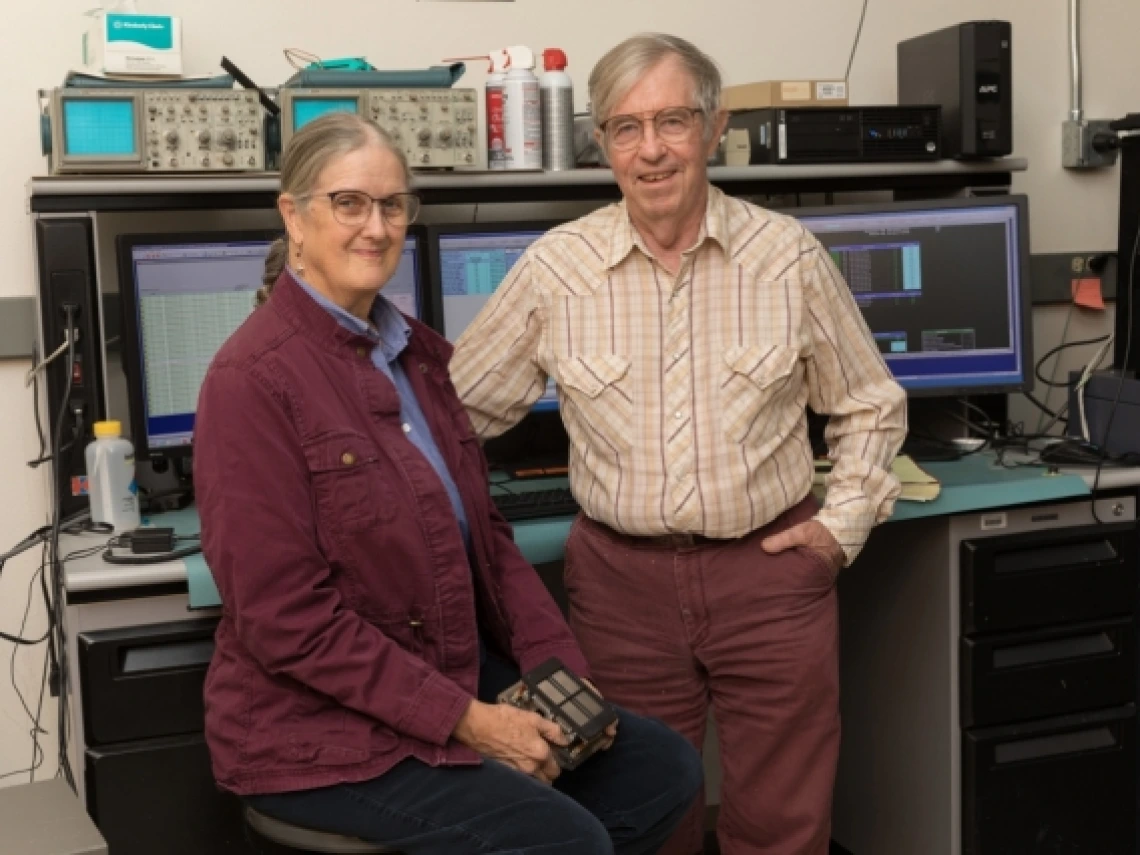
{"x": 348, "y": 635}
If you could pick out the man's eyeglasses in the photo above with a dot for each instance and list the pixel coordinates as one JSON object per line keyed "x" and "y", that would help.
{"x": 354, "y": 207}
{"x": 673, "y": 125}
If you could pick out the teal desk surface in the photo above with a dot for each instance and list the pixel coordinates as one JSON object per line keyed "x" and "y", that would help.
{"x": 975, "y": 483}
{"x": 978, "y": 483}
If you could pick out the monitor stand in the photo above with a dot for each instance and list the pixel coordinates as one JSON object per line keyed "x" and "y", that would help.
{"x": 936, "y": 422}
{"x": 934, "y": 425}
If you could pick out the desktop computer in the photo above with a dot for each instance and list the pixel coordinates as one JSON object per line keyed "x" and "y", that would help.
{"x": 183, "y": 295}
{"x": 941, "y": 284}
{"x": 943, "y": 288}
{"x": 468, "y": 263}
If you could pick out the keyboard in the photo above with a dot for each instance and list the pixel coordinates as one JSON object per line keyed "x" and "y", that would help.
{"x": 535, "y": 504}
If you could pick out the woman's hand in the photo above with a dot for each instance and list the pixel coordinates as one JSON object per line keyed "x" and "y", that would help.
{"x": 516, "y": 737}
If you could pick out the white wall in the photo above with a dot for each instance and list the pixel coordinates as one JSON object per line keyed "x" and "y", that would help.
{"x": 752, "y": 39}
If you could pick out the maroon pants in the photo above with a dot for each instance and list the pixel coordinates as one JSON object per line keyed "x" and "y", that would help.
{"x": 671, "y": 625}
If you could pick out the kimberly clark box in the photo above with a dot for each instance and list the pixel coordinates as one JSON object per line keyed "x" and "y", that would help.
{"x": 785, "y": 93}
{"x": 129, "y": 43}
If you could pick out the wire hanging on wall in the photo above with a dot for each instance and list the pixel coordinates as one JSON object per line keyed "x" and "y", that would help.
{"x": 858, "y": 35}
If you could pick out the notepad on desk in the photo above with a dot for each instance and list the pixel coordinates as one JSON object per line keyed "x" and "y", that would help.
{"x": 918, "y": 485}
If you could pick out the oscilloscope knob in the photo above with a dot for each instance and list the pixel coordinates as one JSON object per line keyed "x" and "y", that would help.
{"x": 204, "y": 136}
{"x": 227, "y": 138}
{"x": 424, "y": 136}
{"x": 172, "y": 138}
{"x": 228, "y": 159}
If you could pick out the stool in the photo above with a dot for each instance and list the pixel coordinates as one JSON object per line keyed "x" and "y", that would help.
{"x": 295, "y": 838}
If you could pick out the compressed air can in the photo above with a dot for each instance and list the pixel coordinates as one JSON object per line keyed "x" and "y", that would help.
{"x": 522, "y": 112}
{"x": 496, "y": 139}
{"x": 557, "y": 112}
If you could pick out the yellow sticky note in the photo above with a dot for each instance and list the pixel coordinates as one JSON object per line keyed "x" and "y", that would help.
{"x": 918, "y": 485}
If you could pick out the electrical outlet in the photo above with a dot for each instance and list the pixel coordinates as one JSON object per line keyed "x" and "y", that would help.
{"x": 1088, "y": 144}
{"x": 1051, "y": 275}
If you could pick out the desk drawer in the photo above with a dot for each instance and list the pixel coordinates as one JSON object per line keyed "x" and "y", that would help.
{"x": 1062, "y": 785}
{"x": 1033, "y": 675}
{"x": 144, "y": 681}
{"x": 158, "y": 797}
{"x": 1067, "y": 575}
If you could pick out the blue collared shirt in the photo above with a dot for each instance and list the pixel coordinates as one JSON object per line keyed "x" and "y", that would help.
{"x": 391, "y": 332}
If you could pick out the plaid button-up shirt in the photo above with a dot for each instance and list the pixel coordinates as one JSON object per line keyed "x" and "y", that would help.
{"x": 684, "y": 395}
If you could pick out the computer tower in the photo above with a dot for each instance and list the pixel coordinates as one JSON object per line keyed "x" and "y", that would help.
{"x": 967, "y": 70}
{"x": 69, "y": 296}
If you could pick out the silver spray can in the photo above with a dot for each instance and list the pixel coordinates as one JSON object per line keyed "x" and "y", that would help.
{"x": 557, "y": 112}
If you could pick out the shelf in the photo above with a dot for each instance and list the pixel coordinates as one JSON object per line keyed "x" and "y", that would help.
{"x": 71, "y": 194}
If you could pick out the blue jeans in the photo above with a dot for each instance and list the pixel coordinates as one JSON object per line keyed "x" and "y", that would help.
{"x": 626, "y": 800}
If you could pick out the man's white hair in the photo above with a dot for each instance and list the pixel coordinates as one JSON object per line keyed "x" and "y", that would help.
{"x": 623, "y": 66}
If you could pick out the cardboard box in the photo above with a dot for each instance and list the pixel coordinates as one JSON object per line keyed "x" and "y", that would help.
{"x": 785, "y": 93}
{"x": 127, "y": 43}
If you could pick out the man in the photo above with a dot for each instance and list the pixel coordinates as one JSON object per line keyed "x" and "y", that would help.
{"x": 688, "y": 332}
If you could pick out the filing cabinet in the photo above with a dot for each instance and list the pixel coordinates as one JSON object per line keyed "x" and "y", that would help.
{"x": 1047, "y": 691}
{"x": 146, "y": 768}
{"x": 989, "y": 676}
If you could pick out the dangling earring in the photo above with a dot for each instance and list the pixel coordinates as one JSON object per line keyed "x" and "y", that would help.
{"x": 300, "y": 265}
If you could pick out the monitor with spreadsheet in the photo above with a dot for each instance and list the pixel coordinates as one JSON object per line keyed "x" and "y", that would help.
{"x": 182, "y": 296}
{"x": 470, "y": 261}
{"x": 943, "y": 286}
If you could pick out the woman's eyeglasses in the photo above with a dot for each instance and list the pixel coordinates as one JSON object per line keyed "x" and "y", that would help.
{"x": 354, "y": 207}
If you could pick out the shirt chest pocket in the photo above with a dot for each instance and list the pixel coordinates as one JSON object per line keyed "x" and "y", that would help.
{"x": 754, "y": 380}
{"x": 598, "y": 392}
{"x": 348, "y": 485}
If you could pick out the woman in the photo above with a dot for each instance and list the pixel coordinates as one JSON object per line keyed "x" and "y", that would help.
{"x": 374, "y": 600}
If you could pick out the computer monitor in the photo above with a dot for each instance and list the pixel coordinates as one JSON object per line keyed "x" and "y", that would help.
{"x": 943, "y": 286}
{"x": 183, "y": 295}
{"x": 470, "y": 262}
